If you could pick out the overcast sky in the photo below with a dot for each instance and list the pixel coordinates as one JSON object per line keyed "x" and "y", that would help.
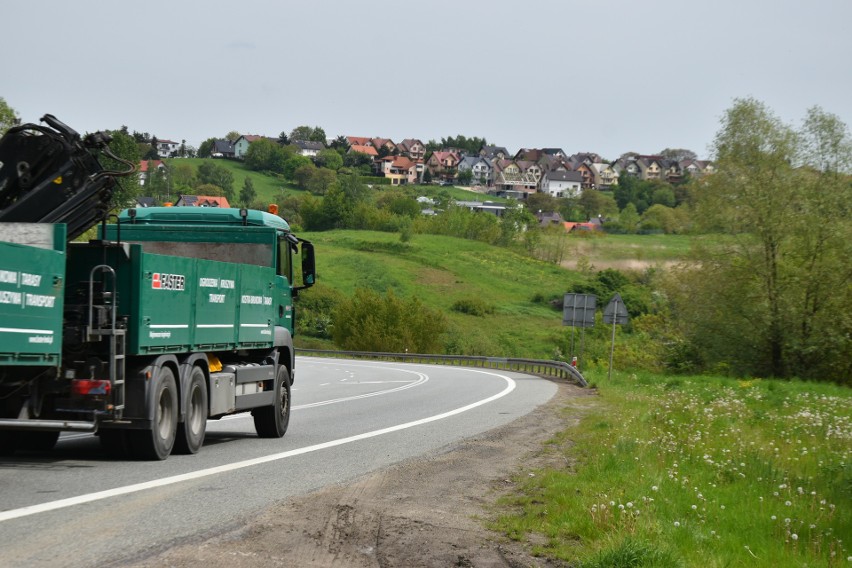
{"x": 605, "y": 76}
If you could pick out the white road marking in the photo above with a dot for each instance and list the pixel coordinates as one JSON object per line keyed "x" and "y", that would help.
{"x": 128, "y": 489}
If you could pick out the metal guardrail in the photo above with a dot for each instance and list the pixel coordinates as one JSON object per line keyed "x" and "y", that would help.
{"x": 556, "y": 369}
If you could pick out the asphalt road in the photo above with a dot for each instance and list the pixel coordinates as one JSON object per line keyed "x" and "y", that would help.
{"x": 75, "y": 507}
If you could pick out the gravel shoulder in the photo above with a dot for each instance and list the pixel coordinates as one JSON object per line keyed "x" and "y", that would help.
{"x": 426, "y": 512}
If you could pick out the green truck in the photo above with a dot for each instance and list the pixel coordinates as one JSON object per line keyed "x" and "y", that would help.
{"x": 170, "y": 317}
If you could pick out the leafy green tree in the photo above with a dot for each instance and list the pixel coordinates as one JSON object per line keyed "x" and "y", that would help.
{"x": 340, "y": 144}
{"x": 321, "y": 180}
{"x": 212, "y": 173}
{"x": 283, "y": 139}
{"x": 628, "y": 219}
{"x": 303, "y": 174}
{"x": 127, "y": 188}
{"x": 308, "y": 134}
{"x": 232, "y": 136}
{"x": 8, "y": 116}
{"x": 247, "y": 193}
{"x": 678, "y": 154}
{"x": 330, "y": 159}
{"x": 593, "y": 203}
{"x": 371, "y": 322}
{"x": 774, "y": 298}
{"x": 663, "y": 195}
{"x": 210, "y": 190}
{"x": 183, "y": 177}
{"x": 465, "y": 176}
{"x": 262, "y": 155}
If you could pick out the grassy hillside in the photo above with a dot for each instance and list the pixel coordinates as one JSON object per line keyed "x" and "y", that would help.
{"x": 442, "y": 271}
{"x": 268, "y": 188}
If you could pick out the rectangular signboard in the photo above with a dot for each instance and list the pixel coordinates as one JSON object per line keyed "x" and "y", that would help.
{"x": 578, "y": 310}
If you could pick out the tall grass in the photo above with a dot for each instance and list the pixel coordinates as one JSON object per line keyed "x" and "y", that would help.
{"x": 697, "y": 471}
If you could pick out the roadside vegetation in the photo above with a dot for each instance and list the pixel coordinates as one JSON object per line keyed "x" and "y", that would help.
{"x": 693, "y": 471}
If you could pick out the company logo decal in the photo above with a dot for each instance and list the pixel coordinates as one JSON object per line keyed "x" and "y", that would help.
{"x": 162, "y": 281}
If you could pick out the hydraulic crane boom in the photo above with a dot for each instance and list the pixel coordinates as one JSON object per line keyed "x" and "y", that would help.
{"x": 49, "y": 174}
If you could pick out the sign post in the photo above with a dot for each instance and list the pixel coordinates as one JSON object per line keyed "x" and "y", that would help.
{"x": 614, "y": 313}
{"x": 578, "y": 310}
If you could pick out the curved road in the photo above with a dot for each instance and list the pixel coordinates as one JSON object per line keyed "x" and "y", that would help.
{"x": 75, "y": 507}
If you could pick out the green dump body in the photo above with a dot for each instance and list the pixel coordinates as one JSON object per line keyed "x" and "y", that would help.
{"x": 32, "y": 280}
{"x": 206, "y": 287}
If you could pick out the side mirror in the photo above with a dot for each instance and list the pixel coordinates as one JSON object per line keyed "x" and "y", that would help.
{"x": 309, "y": 269}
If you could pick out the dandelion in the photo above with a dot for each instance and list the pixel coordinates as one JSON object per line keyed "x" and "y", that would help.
{"x": 788, "y": 503}
{"x": 774, "y": 518}
{"x": 677, "y": 523}
{"x": 654, "y": 488}
{"x": 629, "y": 504}
{"x": 794, "y": 536}
{"x": 694, "y": 507}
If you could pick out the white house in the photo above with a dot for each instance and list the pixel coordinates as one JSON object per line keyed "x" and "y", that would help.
{"x": 167, "y": 148}
{"x": 561, "y": 183}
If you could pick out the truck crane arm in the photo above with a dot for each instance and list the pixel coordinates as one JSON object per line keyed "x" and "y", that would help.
{"x": 49, "y": 174}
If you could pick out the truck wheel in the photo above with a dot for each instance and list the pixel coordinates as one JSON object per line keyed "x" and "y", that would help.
{"x": 37, "y": 441}
{"x": 157, "y": 443}
{"x": 190, "y": 432}
{"x": 272, "y": 421}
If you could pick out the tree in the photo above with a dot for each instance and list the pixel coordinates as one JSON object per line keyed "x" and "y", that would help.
{"x": 261, "y": 155}
{"x": 183, "y": 177}
{"x": 628, "y": 219}
{"x": 306, "y": 133}
{"x": 232, "y": 136}
{"x": 8, "y": 117}
{"x": 247, "y": 193}
{"x": 593, "y": 203}
{"x": 465, "y": 176}
{"x": 283, "y": 139}
{"x": 773, "y": 299}
{"x": 214, "y": 174}
{"x": 371, "y": 322}
{"x": 321, "y": 180}
{"x": 126, "y": 188}
{"x": 678, "y": 154}
{"x": 330, "y": 159}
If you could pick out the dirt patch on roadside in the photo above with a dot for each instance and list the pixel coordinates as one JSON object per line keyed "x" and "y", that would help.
{"x": 427, "y": 512}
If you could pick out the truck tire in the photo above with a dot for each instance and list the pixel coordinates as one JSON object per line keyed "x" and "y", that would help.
{"x": 190, "y": 432}
{"x": 272, "y": 421}
{"x": 157, "y": 443}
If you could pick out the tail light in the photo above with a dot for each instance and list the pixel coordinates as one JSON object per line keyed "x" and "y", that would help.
{"x": 87, "y": 387}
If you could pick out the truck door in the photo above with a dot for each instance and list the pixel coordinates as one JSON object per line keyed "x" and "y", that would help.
{"x": 284, "y": 285}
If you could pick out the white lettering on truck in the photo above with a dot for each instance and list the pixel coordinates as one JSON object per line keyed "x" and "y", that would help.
{"x": 8, "y": 277}
{"x": 30, "y": 279}
{"x": 40, "y": 301}
{"x": 208, "y": 282}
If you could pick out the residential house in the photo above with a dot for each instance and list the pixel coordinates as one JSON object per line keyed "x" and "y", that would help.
{"x": 650, "y": 167}
{"x": 562, "y": 183}
{"x": 549, "y": 219}
{"x": 358, "y": 141}
{"x": 495, "y": 209}
{"x": 413, "y": 148}
{"x": 201, "y": 201}
{"x": 443, "y": 165}
{"x": 529, "y": 154}
{"x": 401, "y": 170}
{"x": 387, "y": 144}
{"x": 604, "y": 175}
{"x": 494, "y": 153}
{"x": 586, "y": 171}
{"x": 308, "y": 148}
{"x": 479, "y": 167}
{"x": 144, "y": 201}
{"x": 511, "y": 181}
{"x": 241, "y": 144}
{"x": 368, "y": 150}
{"x": 627, "y": 166}
{"x": 148, "y": 166}
{"x": 532, "y": 171}
{"x": 222, "y": 149}
{"x": 587, "y": 158}
{"x": 167, "y": 148}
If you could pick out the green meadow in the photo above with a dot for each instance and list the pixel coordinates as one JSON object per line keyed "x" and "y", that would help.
{"x": 693, "y": 471}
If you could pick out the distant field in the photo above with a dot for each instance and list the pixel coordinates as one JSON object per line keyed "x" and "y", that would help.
{"x": 628, "y": 252}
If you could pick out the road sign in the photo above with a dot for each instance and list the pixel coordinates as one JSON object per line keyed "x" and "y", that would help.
{"x": 578, "y": 310}
{"x": 616, "y": 312}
